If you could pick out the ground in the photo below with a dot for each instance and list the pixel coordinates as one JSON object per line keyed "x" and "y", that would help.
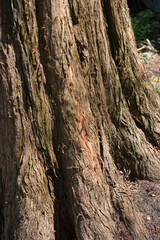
{"x": 147, "y": 197}
{"x": 151, "y": 61}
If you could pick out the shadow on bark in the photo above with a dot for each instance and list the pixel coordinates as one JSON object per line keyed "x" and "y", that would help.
{"x": 70, "y": 84}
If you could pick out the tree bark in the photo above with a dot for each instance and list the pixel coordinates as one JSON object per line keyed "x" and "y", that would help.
{"x": 75, "y": 108}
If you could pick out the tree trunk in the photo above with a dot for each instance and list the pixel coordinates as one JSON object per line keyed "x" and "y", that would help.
{"x": 75, "y": 108}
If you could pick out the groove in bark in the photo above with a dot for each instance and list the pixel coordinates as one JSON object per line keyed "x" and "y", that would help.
{"x": 138, "y": 92}
{"x": 66, "y": 118}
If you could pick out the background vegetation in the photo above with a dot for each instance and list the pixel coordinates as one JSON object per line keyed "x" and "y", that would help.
{"x": 146, "y": 27}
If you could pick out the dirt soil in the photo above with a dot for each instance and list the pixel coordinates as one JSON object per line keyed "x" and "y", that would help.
{"x": 151, "y": 62}
{"x": 147, "y": 194}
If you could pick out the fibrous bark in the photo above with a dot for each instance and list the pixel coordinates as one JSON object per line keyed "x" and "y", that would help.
{"x": 75, "y": 106}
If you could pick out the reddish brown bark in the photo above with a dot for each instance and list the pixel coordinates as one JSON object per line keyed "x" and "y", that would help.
{"x": 67, "y": 121}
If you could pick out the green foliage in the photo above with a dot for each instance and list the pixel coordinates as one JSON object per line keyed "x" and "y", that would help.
{"x": 151, "y": 48}
{"x": 146, "y": 25}
{"x": 144, "y": 56}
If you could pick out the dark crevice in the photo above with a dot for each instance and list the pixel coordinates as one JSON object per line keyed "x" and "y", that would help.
{"x": 80, "y": 49}
{"x": 147, "y": 134}
{"x": 72, "y": 12}
{"x": 27, "y": 98}
{"x": 64, "y": 224}
{"x": 114, "y": 41}
{"x": 64, "y": 229}
{"x": 131, "y": 165}
{"x": 21, "y": 65}
{"x": 101, "y": 148}
{"x": 111, "y": 32}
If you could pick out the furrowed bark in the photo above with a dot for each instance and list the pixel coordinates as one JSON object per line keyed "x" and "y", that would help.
{"x": 27, "y": 157}
{"x": 65, "y": 121}
{"x": 143, "y": 104}
{"x": 139, "y": 109}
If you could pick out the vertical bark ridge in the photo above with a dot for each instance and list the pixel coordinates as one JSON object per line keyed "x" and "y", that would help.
{"x": 29, "y": 194}
{"x": 142, "y": 158}
{"x": 72, "y": 134}
{"x": 138, "y": 92}
{"x": 79, "y": 102}
{"x": 64, "y": 101}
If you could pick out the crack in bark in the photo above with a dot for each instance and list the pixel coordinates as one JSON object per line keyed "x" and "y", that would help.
{"x": 81, "y": 197}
